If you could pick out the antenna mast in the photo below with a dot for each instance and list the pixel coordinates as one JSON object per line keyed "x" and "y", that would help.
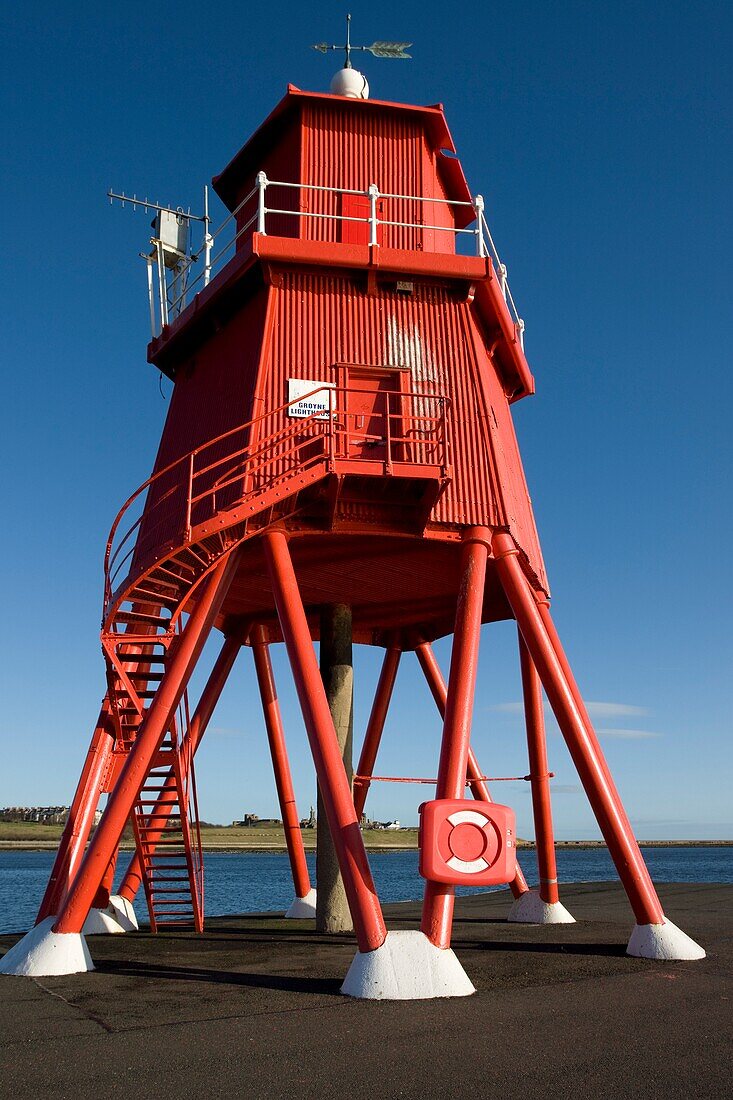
{"x": 171, "y": 254}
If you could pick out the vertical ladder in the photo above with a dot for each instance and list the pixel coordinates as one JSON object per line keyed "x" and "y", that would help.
{"x": 168, "y": 838}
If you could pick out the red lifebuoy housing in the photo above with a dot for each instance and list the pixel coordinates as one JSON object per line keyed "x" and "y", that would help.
{"x": 467, "y": 843}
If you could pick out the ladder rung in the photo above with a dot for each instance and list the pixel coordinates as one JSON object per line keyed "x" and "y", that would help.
{"x": 132, "y": 617}
{"x": 139, "y": 594}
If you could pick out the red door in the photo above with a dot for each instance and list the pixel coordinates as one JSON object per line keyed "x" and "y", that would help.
{"x": 358, "y": 206}
{"x": 371, "y": 408}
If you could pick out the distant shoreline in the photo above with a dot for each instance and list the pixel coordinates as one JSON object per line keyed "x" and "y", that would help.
{"x": 409, "y": 844}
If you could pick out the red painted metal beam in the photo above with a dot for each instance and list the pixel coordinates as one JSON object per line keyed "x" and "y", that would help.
{"x": 479, "y": 789}
{"x": 101, "y": 898}
{"x": 81, "y": 814}
{"x": 540, "y": 776}
{"x": 187, "y": 651}
{"x": 280, "y": 764}
{"x": 437, "y": 914}
{"x": 579, "y": 737}
{"x": 375, "y": 726}
{"x": 366, "y": 911}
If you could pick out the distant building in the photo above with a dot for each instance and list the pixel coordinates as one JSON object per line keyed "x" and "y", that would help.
{"x": 251, "y": 820}
{"x": 394, "y": 825}
{"x": 310, "y": 821}
{"x": 44, "y": 815}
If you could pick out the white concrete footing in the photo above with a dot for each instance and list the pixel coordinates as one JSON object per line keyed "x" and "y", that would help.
{"x": 529, "y": 908}
{"x": 119, "y": 916}
{"x": 407, "y": 967}
{"x": 663, "y": 941}
{"x": 303, "y": 908}
{"x": 43, "y": 953}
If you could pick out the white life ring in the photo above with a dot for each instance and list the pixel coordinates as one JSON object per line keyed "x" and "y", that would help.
{"x": 480, "y": 821}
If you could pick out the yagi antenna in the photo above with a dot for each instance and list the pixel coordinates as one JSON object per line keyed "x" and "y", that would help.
{"x": 395, "y": 50}
{"x": 148, "y": 205}
{"x": 171, "y": 255}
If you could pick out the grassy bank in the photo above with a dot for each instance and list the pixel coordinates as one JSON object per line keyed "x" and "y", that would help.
{"x": 30, "y": 836}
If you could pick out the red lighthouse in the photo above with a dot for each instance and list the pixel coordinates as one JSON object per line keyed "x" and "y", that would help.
{"x": 344, "y": 354}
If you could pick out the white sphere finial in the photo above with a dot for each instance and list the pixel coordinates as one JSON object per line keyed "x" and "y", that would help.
{"x": 350, "y": 83}
{"x": 347, "y": 81}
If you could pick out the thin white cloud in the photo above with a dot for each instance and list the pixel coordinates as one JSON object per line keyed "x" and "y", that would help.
{"x": 595, "y": 709}
{"x": 627, "y": 735}
{"x": 615, "y": 710}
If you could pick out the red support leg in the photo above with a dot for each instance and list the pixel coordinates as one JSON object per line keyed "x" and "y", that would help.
{"x": 478, "y": 786}
{"x": 437, "y": 915}
{"x": 363, "y": 901}
{"x": 280, "y": 765}
{"x": 81, "y": 815}
{"x": 580, "y": 738}
{"x": 540, "y": 780}
{"x": 187, "y": 651}
{"x": 375, "y": 726}
{"x": 101, "y": 898}
{"x": 199, "y": 721}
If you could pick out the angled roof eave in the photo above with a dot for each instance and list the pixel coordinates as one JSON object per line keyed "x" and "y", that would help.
{"x": 226, "y": 183}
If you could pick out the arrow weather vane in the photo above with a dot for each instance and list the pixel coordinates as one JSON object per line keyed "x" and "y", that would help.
{"x": 377, "y": 49}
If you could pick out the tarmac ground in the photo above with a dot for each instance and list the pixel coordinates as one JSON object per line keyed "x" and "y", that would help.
{"x": 252, "y": 1009}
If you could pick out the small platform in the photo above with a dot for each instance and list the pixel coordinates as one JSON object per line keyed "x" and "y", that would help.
{"x": 252, "y": 1008}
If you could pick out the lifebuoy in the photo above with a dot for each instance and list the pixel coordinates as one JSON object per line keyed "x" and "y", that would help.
{"x": 464, "y": 843}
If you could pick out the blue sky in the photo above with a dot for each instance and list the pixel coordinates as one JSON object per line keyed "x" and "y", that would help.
{"x": 600, "y": 136}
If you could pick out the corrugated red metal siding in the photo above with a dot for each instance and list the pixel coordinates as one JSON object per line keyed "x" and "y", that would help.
{"x": 323, "y": 320}
{"x": 281, "y": 163}
{"x": 347, "y": 148}
{"x": 213, "y": 394}
{"x": 516, "y": 504}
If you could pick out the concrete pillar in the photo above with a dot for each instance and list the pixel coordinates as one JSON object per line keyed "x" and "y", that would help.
{"x": 337, "y": 673}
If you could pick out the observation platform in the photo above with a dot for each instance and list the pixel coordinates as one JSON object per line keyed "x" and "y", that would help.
{"x": 252, "y": 1008}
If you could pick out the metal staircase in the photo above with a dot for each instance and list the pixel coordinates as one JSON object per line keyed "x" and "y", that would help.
{"x": 168, "y": 839}
{"x": 188, "y": 517}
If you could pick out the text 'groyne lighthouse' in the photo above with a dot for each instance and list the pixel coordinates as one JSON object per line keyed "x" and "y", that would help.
{"x": 344, "y": 352}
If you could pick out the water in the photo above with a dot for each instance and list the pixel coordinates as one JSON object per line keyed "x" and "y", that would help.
{"x": 240, "y": 882}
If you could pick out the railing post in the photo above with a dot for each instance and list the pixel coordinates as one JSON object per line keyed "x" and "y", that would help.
{"x": 261, "y": 209}
{"x": 189, "y": 495}
{"x": 151, "y": 295}
{"x": 478, "y": 205}
{"x": 373, "y": 196}
{"x": 208, "y": 239}
{"x": 503, "y": 279}
{"x": 162, "y": 290}
{"x": 388, "y": 436}
{"x": 332, "y": 422}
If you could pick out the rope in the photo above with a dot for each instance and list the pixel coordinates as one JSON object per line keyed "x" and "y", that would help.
{"x": 432, "y": 782}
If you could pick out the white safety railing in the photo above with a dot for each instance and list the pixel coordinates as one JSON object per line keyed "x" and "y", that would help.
{"x": 175, "y": 288}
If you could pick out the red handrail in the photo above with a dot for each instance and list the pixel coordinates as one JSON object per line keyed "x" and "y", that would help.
{"x": 280, "y": 448}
